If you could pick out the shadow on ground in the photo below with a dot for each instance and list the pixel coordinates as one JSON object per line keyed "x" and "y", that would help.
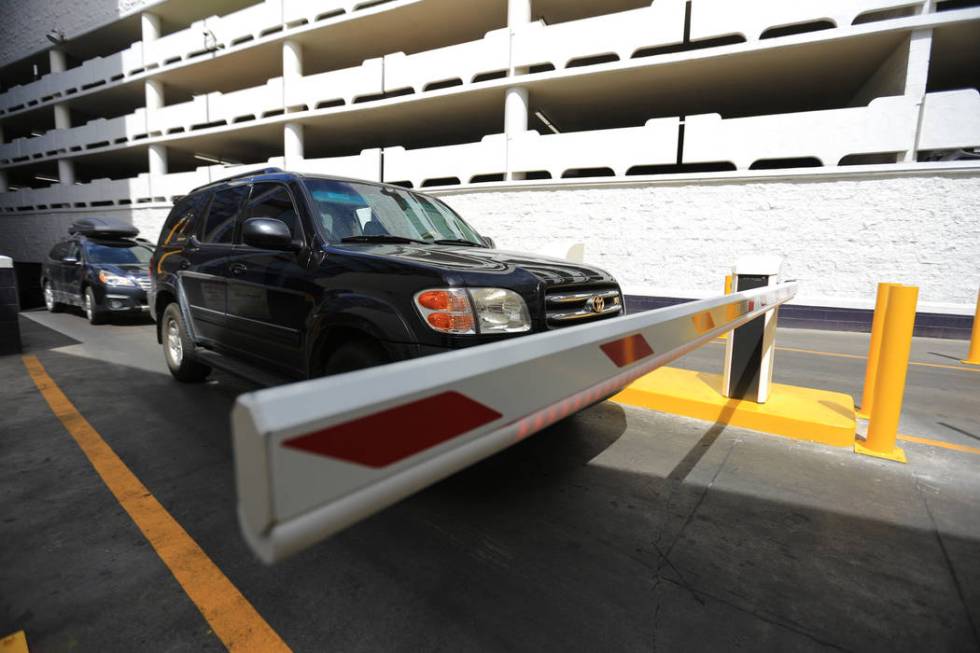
{"x": 616, "y": 529}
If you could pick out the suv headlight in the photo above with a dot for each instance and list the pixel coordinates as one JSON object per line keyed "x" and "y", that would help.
{"x": 109, "y": 279}
{"x": 467, "y": 311}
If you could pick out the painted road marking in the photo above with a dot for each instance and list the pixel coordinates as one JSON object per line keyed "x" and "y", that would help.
{"x": 15, "y": 643}
{"x": 939, "y": 443}
{"x": 232, "y": 618}
{"x": 833, "y": 354}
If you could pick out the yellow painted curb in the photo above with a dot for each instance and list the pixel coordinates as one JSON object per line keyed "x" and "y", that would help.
{"x": 15, "y": 643}
{"x": 897, "y": 454}
{"x": 801, "y": 413}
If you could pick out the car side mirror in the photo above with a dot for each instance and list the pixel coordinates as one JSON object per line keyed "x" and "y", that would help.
{"x": 268, "y": 233}
{"x": 70, "y": 260}
{"x": 489, "y": 242}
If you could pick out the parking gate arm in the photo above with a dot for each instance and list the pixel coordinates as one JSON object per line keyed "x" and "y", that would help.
{"x": 314, "y": 457}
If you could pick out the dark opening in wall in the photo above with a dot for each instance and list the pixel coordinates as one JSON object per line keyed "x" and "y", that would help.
{"x": 441, "y": 181}
{"x": 692, "y": 168}
{"x": 868, "y": 159}
{"x": 449, "y": 83}
{"x": 592, "y": 61}
{"x": 952, "y": 5}
{"x": 486, "y": 179}
{"x": 800, "y": 28}
{"x": 958, "y": 154}
{"x": 955, "y": 60}
{"x": 496, "y": 74}
{"x": 779, "y": 164}
{"x": 689, "y": 46}
{"x": 578, "y": 173}
{"x": 885, "y": 14}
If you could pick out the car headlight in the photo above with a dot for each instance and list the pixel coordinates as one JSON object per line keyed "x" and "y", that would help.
{"x": 109, "y": 279}
{"x": 467, "y": 311}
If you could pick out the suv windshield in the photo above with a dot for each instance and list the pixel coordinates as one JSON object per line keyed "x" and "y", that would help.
{"x": 363, "y": 212}
{"x": 117, "y": 253}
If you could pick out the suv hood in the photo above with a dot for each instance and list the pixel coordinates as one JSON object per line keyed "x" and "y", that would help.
{"x": 124, "y": 269}
{"x": 549, "y": 270}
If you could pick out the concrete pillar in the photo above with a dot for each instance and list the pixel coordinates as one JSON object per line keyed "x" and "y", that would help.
{"x": 66, "y": 171}
{"x": 150, "y": 27}
{"x": 293, "y": 145}
{"x": 155, "y": 98}
{"x": 518, "y": 13}
{"x": 292, "y": 68}
{"x": 62, "y": 116}
{"x": 158, "y": 160}
{"x": 516, "y": 109}
{"x": 4, "y": 184}
{"x": 57, "y": 59}
{"x": 916, "y": 80}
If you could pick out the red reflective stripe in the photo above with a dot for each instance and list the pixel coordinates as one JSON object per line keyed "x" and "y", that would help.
{"x": 395, "y": 434}
{"x": 627, "y": 350}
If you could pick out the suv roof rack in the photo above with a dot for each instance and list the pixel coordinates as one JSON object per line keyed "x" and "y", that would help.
{"x": 104, "y": 227}
{"x": 240, "y": 175}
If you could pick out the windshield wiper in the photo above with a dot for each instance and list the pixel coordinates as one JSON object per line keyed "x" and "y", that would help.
{"x": 380, "y": 238}
{"x": 456, "y": 241}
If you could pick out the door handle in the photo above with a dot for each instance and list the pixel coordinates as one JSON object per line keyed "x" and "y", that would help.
{"x": 237, "y": 268}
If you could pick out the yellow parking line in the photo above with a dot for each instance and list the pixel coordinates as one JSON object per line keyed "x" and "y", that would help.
{"x": 939, "y": 443}
{"x": 232, "y": 618}
{"x": 14, "y": 643}
{"x": 834, "y": 354}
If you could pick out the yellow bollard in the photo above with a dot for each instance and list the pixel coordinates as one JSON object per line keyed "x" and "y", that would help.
{"x": 874, "y": 350}
{"x": 973, "y": 358}
{"x": 893, "y": 365}
{"x": 729, "y": 280}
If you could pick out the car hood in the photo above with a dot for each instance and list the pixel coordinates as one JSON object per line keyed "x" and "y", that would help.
{"x": 549, "y": 270}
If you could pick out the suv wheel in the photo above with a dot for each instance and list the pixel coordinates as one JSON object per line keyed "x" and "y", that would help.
{"x": 49, "y": 302}
{"x": 355, "y": 355}
{"x": 93, "y": 312}
{"x": 176, "y": 345}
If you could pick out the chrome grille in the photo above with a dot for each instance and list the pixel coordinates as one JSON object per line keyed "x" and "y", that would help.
{"x": 566, "y": 307}
{"x": 144, "y": 282}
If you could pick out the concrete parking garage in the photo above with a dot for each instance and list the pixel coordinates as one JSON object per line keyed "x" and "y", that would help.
{"x": 618, "y": 528}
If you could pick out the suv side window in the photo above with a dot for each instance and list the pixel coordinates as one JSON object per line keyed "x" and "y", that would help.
{"x": 58, "y": 251}
{"x": 220, "y": 224}
{"x": 271, "y": 200}
{"x": 73, "y": 251}
{"x": 181, "y": 222}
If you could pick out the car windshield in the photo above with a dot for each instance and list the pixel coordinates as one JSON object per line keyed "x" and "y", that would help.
{"x": 117, "y": 253}
{"x": 363, "y": 212}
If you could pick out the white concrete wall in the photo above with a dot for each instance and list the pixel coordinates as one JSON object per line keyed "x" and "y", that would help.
{"x": 840, "y": 236}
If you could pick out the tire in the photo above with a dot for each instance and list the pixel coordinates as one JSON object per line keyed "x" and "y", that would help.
{"x": 355, "y": 355}
{"x": 176, "y": 343}
{"x": 93, "y": 312}
{"x": 49, "y": 302}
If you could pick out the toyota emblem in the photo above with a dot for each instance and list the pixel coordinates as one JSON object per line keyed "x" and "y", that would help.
{"x": 597, "y": 304}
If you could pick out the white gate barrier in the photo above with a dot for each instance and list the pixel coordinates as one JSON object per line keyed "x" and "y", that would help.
{"x": 315, "y": 457}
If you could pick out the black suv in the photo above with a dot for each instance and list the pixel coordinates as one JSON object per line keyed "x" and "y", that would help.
{"x": 101, "y": 268}
{"x": 285, "y": 276}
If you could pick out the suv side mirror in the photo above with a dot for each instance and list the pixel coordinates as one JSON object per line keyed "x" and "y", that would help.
{"x": 268, "y": 233}
{"x": 489, "y": 242}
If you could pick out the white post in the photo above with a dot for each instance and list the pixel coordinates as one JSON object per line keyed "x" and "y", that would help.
{"x": 916, "y": 79}
{"x": 518, "y": 13}
{"x": 293, "y": 145}
{"x": 158, "y": 160}
{"x": 292, "y": 68}
{"x": 515, "y": 121}
{"x": 149, "y": 27}
{"x": 56, "y": 57}
{"x": 516, "y": 102}
{"x": 154, "y": 94}
{"x": 62, "y": 117}
{"x": 66, "y": 172}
